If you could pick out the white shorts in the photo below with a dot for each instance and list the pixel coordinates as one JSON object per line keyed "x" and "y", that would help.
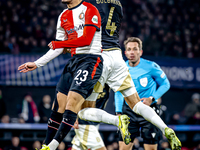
{"x": 115, "y": 74}
{"x": 115, "y": 71}
{"x": 87, "y": 137}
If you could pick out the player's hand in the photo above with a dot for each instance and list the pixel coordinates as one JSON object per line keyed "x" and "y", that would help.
{"x": 52, "y": 45}
{"x": 76, "y": 125}
{"x": 29, "y": 66}
{"x": 146, "y": 101}
{"x": 66, "y": 50}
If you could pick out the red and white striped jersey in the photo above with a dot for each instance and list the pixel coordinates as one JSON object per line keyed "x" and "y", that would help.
{"x": 71, "y": 23}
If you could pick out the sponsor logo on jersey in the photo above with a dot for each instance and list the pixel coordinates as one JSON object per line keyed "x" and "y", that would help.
{"x": 76, "y": 28}
{"x": 95, "y": 19}
{"x": 144, "y": 81}
{"x": 81, "y": 16}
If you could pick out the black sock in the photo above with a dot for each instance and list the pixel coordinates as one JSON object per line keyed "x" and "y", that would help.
{"x": 67, "y": 123}
{"x": 53, "y": 125}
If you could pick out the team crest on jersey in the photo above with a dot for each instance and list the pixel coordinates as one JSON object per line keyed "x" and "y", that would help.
{"x": 95, "y": 19}
{"x": 144, "y": 81}
{"x": 81, "y": 16}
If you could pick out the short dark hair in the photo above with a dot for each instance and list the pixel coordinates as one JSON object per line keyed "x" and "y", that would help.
{"x": 133, "y": 39}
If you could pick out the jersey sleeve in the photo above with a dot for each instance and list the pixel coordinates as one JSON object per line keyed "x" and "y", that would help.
{"x": 161, "y": 79}
{"x": 93, "y": 17}
{"x": 119, "y": 101}
{"x": 60, "y": 32}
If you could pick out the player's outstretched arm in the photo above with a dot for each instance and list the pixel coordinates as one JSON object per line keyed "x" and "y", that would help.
{"x": 29, "y": 66}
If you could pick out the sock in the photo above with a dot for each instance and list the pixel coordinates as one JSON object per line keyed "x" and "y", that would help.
{"x": 98, "y": 115}
{"x": 53, "y": 145}
{"x": 150, "y": 115}
{"x": 53, "y": 125}
{"x": 67, "y": 123}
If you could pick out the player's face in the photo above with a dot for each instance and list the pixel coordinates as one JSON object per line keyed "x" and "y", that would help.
{"x": 133, "y": 52}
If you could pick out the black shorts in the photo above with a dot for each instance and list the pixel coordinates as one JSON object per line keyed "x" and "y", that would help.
{"x": 80, "y": 74}
{"x": 138, "y": 125}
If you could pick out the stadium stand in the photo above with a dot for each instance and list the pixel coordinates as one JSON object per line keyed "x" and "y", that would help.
{"x": 165, "y": 27}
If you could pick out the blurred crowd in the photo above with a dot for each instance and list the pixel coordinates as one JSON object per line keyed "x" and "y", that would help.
{"x": 16, "y": 144}
{"x": 28, "y": 111}
{"x": 166, "y": 27}
{"x": 27, "y": 26}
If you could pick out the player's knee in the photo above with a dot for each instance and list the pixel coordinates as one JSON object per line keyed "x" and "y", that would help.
{"x": 74, "y": 101}
{"x": 132, "y": 100}
{"x": 62, "y": 100}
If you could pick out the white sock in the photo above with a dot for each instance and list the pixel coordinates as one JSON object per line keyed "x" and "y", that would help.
{"x": 150, "y": 115}
{"x": 98, "y": 115}
{"x": 53, "y": 144}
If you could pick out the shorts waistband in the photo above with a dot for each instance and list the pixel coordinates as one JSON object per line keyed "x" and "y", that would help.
{"x": 112, "y": 49}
